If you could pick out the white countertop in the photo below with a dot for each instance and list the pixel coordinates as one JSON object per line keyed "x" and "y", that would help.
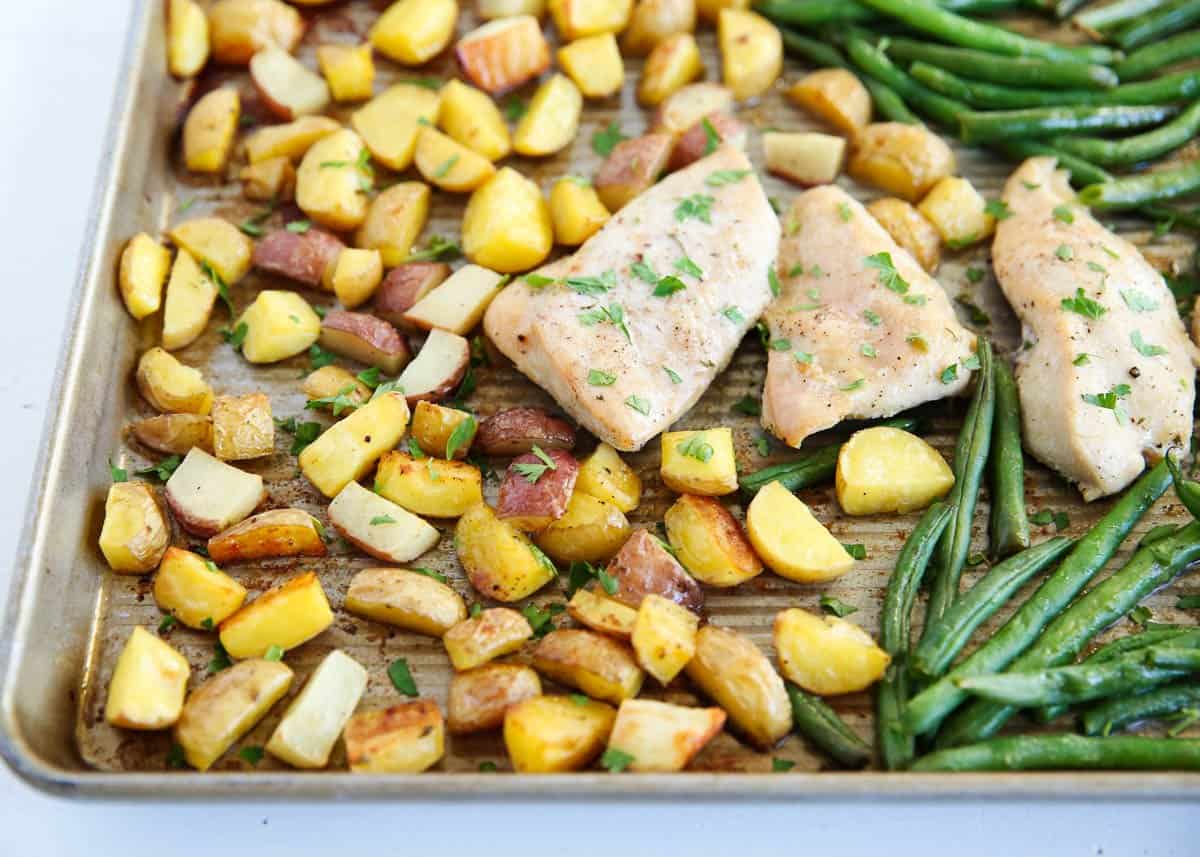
{"x": 58, "y": 61}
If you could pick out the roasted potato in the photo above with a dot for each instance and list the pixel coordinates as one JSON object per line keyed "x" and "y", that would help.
{"x": 289, "y": 141}
{"x": 209, "y": 130}
{"x": 632, "y": 167}
{"x": 479, "y": 698}
{"x": 364, "y": 338}
{"x": 909, "y": 228}
{"x": 191, "y": 294}
{"x": 429, "y": 486}
{"x": 791, "y": 541}
{"x": 826, "y": 655}
{"x": 378, "y": 526}
{"x": 242, "y": 427}
{"x": 174, "y": 433}
{"x": 272, "y": 180}
{"x": 662, "y": 737}
{"x": 412, "y": 32}
{"x": 703, "y": 138}
{"x": 314, "y": 720}
{"x": 172, "y": 387}
{"x": 594, "y": 65}
{"x": 958, "y": 212}
{"x": 491, "y": 9}
{"x": 287, "y": 615}
{"x": 883, "y": 469}
{"x": 699, "y": 462}
{"x": 599, "y": 666}
{"x": 664, "y": 637}
{"x": 551, "y": 734}
{"x": 836, "y": 96}
{"x": 135, "y": 533}
{"x": 655, "y": 20}
{"x": 643, "y": 566}
{"x": 710, "y": 542}
{"x": 458, "y": 304}
{"x": 226, "y": 706}
{"x": 218, "y": 243}
{"x": 495, "y": 632}
{"x": 404, "y": 739}
{"x": 406, "y": 599}
{"x": 606, "y": 476}
{"x": 404, "y": 286}
{"x": 148, "y": 684}
{"x": 590, "y": 530}
{"x": 206, "y": 495}
{"x": 576, "y": 211}
{"x": 143, "y": 271}
{"x": 347, "y": 450}
{"x": 438, "y": 369}
{"x": 279, "y": 325}
{"x": 333, "y": 381}
{"x": 503, "y": 54}
{"x": 394, "y": 220}
{"x": 349, "y": 71}
{"x": 469, "y": 116}
{"x": 330, "y": 182}
{"x": 515, "y": 431}
{"x": 195, "y": 591}
{"x": 499, "y": 560}
{"x": 603, "y": 614}
{"x": 448, "y": 164}
{"x": 805, "y": 158}
{"x": 751, "y": 52}
{"x": 710, "y": 10}
{"x": 905, "y": 160}
{"x": 674, "y": 63}
{"x": 306, "y": 257}
{"x": 506, "y": 226}
{"x": 390, "y": 121}
{"x": 238, "y": 29}
{"x": 536, "y": 489}
{"x": 278, "y": 532}
{"x": 356, "y": 275}
{"x": 285, "y": 86}
{"x": 684, "y": 108}
{"x": 738, "y": 677}
{"x": 187, "y": 37}
{"x": 552, "y": 119}
{"x": 434, "y": 425}
{"x": 578, "y": 18}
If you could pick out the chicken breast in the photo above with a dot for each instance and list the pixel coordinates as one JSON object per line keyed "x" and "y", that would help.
{"x": 629, "y": 331}
{"x": 1107, "y": 376}
{"x": 859, "y": 330}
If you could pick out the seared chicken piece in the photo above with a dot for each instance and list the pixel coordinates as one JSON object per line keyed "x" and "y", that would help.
{"x": 629, "y": 332}
{"x": 1108, "y": 380}
{"x": 859, "y": 330}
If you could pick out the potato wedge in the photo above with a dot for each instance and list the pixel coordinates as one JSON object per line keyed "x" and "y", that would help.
{"x": 191, "y": 295}
{"x": 674, "y": 63}
{"x": 314, "y": 720}
{"x": 438, "y": 369}
{"x": 479, "y": 698}
{"x": 576, "y": 19}
{"x": 791, "y": 541}
{"x": 710, "y": 542}
{"x": 836, "y": 96}
{"x": 285, "y": 86}
{"x": 599, "y": 666}
{"x": 662, "y": 737}
{"x": 206, "y": 495}
{"x": 242, "y": 427}
{"x": 364, "y": 338}
{"x": 187, "y": 37}
{"x": 404, "y": 286}
{"x": 172, "y": 387}
{"x": 143, "y": 271}
{"x": 687, "y": 106}
{"x": 346, "y": 451}
{"x": 195, "y": 591}
{"x": 429, "y": 486}
{"x": 606, "y": 476}
{"x": 332, "y": 381}
{"x": 349, "y": 71}
{"x": 699, "y": 462}
{"x": 379, "y": 527}
{"x": 805, "y": 158}
{"x": 703, "y": 138}
{"x": 334, "y": 195}
{"x": 590, "y": 530}
{"x": 458, "y": 304}
{"x": 499, "y": 560}
{"x": 209, "y": 130}
{"x": 495, "y": 632}
{"x": 644, "y": 567}
{"x": 909, "y": 228}
{"x": 551, "y": 734}
{"x": 883, "y": 469}
{"x": 434, "y": 425}
{"x": 356, "y": 275}
{"x": 135, "y": 533}
{"x": 506, "y": 226}
{"x": 515, "y": 431}
{"x": 306, "y": 257}
{"x": 404, "y": 739}
{"x": 272, "y": 180}
{"x": 594, "y": 65}
{"x": 905, "y": 160}
{"x": 536, "y": 489}
{"x": 448, "y": 164}
{"x": 595, "y": 611}
{"x": 217, "y": 243}
{"x": 287, "y": 615}
{"x": 226, "y": 706}
{"x": 394, "y": 220}
{"x": 958, "y": 212}
{"x": 289, "y": 141}
{"x": 738, "y": 677}
{"x": 552, "y": 120}
{"x": 174, "y": 433}
{"x": 503, "y": 54}
{"x": 405, "y": 599}
{"x": 751, "y": 52}
{"x": 412, "y": 32}
{"x": 576, "y": 211}
{"x": 664, "y": 637}
{"x": 148, "y": 684}
{"x": 238, "y": 29}
{"x": 655, "y": 20}
{"x": 632, "y": 167}
{"x": 278, "y": 532}
{"x": 826, "y": 655}
{"x": 473, "y": 119}
{"x": 389, "y": 122}
{"x": 279, "y": 325}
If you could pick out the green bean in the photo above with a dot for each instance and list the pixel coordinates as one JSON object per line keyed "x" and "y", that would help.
{"x": 1137, "y": 190}
{"x": 874, "y": 62}
{"x": 897, "y": 746}
{"x": 1142, "y": 147}
{"x": 1015, "y": 71}
{"x": 928, "y": 708}
{"x": 1159, "y": 24}
{"x": 1117, "y": 14}
{"x": 1008, "y": 523}
{"x": 1151, "y": 567}
{"x": 1186, "y": 490}
{"x": 1135, "y": 642}
{"x": 1175, "y": 655}
{"x": 1119, "y": 712}
{"x": 820, "y": 724}
{"x": 1082, "y": 172}
{"x": 970, "y": 459}
{"x": 955, "y": 29}
{"x": 944, "y": 638}
{"x": 977, "y": 127}
{"x": 1047, "y": 752}
{"x": 1147, "y": 60}
{"x": 888, "y": 102}
{"x": 812, "y": 13}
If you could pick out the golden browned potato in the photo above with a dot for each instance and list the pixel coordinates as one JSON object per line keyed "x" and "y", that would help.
{"x": 710, "y": 542}
{"x": 434, "y": 425}
{"x": 905, "y": 160}
{"x": 495, "y": 632}
{"x": 191, "y": 294}
{"x": 674, "y": 63}
{"x": 550, "y": 734}
{"x": 644, "y": 567}
{"x": 659, "y": 736}
{"x": 883, "y": 469}
{"x": 349, "y": 70}
{"x": 332, "y": 381}
{"x": 805, "y": 158}
{"x": 187, "y": 37}
{"x": 378, "y": 526}
{"x": 242, "y": 426}
{"x": 506, "y": 226}
{"x": 655, "y": 20}
{"x": 356, "y": 275}
{"x": 279, "y": 325}
{"x": 590, "y": 530}
{"x": 632, "y": 167}
{"x": 279, "y": 532}
{"x": 739, "y": 678}
{"x": 536, "y": 489}
{"x": 429, "y": 486}
{"x": 394, "y": 220}
{"x": 238, "y": 29}
{"x": 516, "y": 431}
{"x": 699, "y": 462}
{"x": 576, "y": 211}
{"x": 209, "y": 130}
{"x": 272, "y": 179}
{"x": 594, "y": 64}
{"x": 404, "y": 739}
{"x": 314, "y": 720}
{"x": 143, "y": 271}
{"x": 664, "y": 637}
{"x": 791, "y": 541}
{"x": 448, "y": 164}
{"x": 348, "y": 449}
{"x": 827, "y": 655}
{"x": 406, "y": 599}
{"x": 685, "y": 108}
{"x": 751, "y": 52}
{"x": 287, "y": 615}
{"x": 599, "y": 666}
{"x": 603, "y": 614}
{"x": 226, "y": 706}
{"x": 389, "y": 122}
{"x": 606, "y": 476}
{"x": 412, "y": 32}
{"x": 217, "y": 243}
{"x": 479, "y": 698}
{"x": 836, "y": 96}
{"x": 206, "y": 495}
{"x": 148, "y": 684}
{"x": 578, "y": 18}
{"x": 498, "y": 558}
{"x": 552, "y": 119}
{"x": 289, "y": 141}
{"x": 958, "y": 212}
{"x": 175, "y": 433}
{"x": 195, "y": 591}
{"x": 172, "y": 387}
{"x": 135, "y": 534}
{"x": 503, "y": 54}
{"x": 473, "y": 119}
{"x": 909, "y": 228}
{"x": 331, "y": 184}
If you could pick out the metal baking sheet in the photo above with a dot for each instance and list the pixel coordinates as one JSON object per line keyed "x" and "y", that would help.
{"x": 67, "y": 615}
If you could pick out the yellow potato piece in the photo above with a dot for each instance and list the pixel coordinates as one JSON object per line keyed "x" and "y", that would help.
{"x": 751, "y": 52}
{"x": 394, "y": 220}
{"x": 187, "y": 37}
{"x": 242, "y": 427}
{"x": 433, "y": 425}
{"x": 499, "y": 560}
{"x": 603, "y": 614}
{"x": 135, "y": 534}
{"x": 349, "y": 70}
{"x": 905, "y": 160}
{"x": 551, "y": 734}
{"x": 791, "y": 541}
{"x": 710, "y": 10}
{"x": 195, "y": 591}
{"x": 348, "y": 449}
{"x": 835, "y": 95}
{"x": 403, "y": 739}
{"x": 506, "y": 226}
{"x": 144, "y": 265}
{"x": 576, "y": 211}
{"x": 606, "y": 476}
{"x": 279, "y": 325}
{"x": 209, "y": 130}
{"x": 471, "y": 117}
{"x": 444, "y": 162}
{"x": 171, "y": 386}
{"x": 909, "y": 228}
{"x": 494, "y": 633}
{"x": 659, "y": 736}
{"x": 286, "y": 616}
{"x": 591, "y": 530}
{"x": 884, "y": 469}
{"x": 190, "y": 298}
{"x": 594, "y": 64}
{"x": 710, "y": 542}
{"x": 331, "y": 185}
{"x": 699, "y": 462}
{"x": 218, "y": 243}
{"x": 674, "y": 63}
{"x": 827, "y": 655}
{"x": 958, "y": 212}
{"x": 290, "y": 140}
{"x": 664, "y": 637}
{"x": 576, "y": 19}
{"x": 413, "y": 32}
{"x": 314, "y": 720}
{"x": 552, "y": 120}
{"x": 406, "y": 599}
{"x": 655, "y": 20}
{"x": 148, "y": 684}
{"x": 389, "y": 122}
{"x": 599, "y": 666}
{"x": 356, "y": 275}
{"x": 429, "y": 486}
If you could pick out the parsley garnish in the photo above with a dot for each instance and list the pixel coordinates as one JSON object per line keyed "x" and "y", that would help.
{"x": 748, "y": 405}
{"x": 711, "y": 138}
{"x": 695, "y": 446}
{"x": 1084, "y": 305}
{"x": 237, "y": 336}
{"x": 724, "y": 177}
{"x": 461, "y": 437}
{"x": 1081, "y": 359}
{"x": 763, "y": 446}
{"x": 780, "y": 345}
{"x": 1064, "y": 214}
{"x": 252, "y": 755}
{"x": 644, "y": 272}
{"x": 668, "y": 286}
{"x": 889, "y": 277}
{"x": 299, "y": 227}
{"x": 401, "y": 677}
{"x": 580, "y": 573}
{"x": 592, "y": 287}
{"x": 1145, "y": 348}
{"x": 773, "y": 282}
{"x": 779, "y": 766}
{"x": 163, "y": 469}
{"x": 222, "y": 288}
{"x": 252, "y": 225}
{"x": 949, "y": 374}
{"x": 600, "y": 378}
{"x": 337, "y": 403}
{"x": 844, "y": 212}
{"x": 603, "y": 142}
{"x": 836, "y": 606}
{"x": 673, "y": 375}
{"x": 698, "y": 206}
{"x": 868, "y": 350}
{"x": 1111, "y": 401}
{"x": 1137, "y": 301}
{"x": 615, "y": 760}
{"x": 1065, "y": 252}
{"x": 975, "y": 315}
{"x": 687, "y": 266}
{"x": 445, "y": 167}
{"x": 168, "y": 622}
{"x": 305, "y": 433}
{"x": 515, "y": 108}
{"x": 873, "y": 318}
{"x": 541, "y": 620}
{"x": 531, "y": 471}
{"x": 975, "y": 275}
{"x": 117, "y": 474}
{"x": 613, "y": 314}
{"x": 998, "y": 209}
{"x": 220, "y": 660}
{"x": 319, "y": 358}
{"x": 734, "y": 314}
{"x": 856, "y": 550}
{"x": 273, "y": 653}
{"x": 639, "y": 404}
{"x": 438, "y": 249}
{"x": 802, "y": 356}
{"x": 382, "y": 519}
{"x": 856, "y": 384}
{"x": 1048, "y": 516}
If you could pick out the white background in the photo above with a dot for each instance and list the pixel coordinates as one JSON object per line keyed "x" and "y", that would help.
{"x": 58, "y": 66}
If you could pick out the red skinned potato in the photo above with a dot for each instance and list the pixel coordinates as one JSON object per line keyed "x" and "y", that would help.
{"x": 694, "y": 144}
{"x": 286, "y": 87}
{"x": 632, "y": 167}
{"x": 687, "y": 106}
{"x": 517, "y": 430}
{"x": 404, "y": 286}
{"x": 503, "y": 54}
{"x": 438, "y": 368}
{"x": 303, "y": 257}
{"x": 365, "y": 338}
{"x": 536, "y": 489}
{"x": 644, "y": 567}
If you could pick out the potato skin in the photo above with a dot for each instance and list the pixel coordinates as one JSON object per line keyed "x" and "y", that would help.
{"x": 238, "y": 29}
{"x": 710, "y": 542}
{"x": 590, "y": 530}
{"x": 835, "y": 95}
{"x": 403, "y": 286}
{"x": 495, "y": 632}
{"x": 687, "y": 106}
{"x": 499, "y": 560}
{"x": 905, "y": 160}
{"x": 135, "y": 533}
{"x": 174, "y": 433}
{"x": 632, "y": 167}
{"x": 503, "y": 54}
{"x": 533, "y": 506}
{"x": 515, "y": 431}
{"x": 600, "y": 666}
{"x": 479, "y": 698}
{"x": 661, "y": 736}
{"x": 550, "y": 734}
{"x": 644, "y": 567}
{"x": 406, "y": 599}
{"x": 433, "y": 425}
{"x": 305, "y": 258}
{"x": 693, "y": 144}
{"x": 242, "y": 427}
{"x": 279, "y": 532}
{"x": 404, "y": 739}
{"x": 172, "y": 387}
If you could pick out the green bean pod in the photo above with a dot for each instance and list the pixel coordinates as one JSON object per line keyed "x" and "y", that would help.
{"x": 1137, "y": 190}
{"x": 928, "y": 708}
{"x": 1117, "y": 713}
{"x": 1141, "y": 147}
{"x": 1175, "y": 655}
{"x": 1049, "y": 752}
{"x": 896, "y": 744}
{"x": 1187, "y": 490}
{"x": 1159, "y": 24}
{"x": 820, "y": 724}
{"x": 993, "y": 125}
{"x": 1117, "y": 14}
{"x": 1014, "y": 71}
{"x": 1008, "y": 525}
{"x": 874, "y": 62}
{"x": 1147, "y": 60}
{"x": 1082, "y": 172}
{"x": 813, "y": 13}
{"x": 945, "y": 638}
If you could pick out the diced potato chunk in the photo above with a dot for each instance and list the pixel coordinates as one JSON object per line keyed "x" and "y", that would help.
{"x": 144, "y": 265}
{"x": 404, "y": 286}
{"x": 439, "y": 367}
{"x": 686, "y": 107}
{"x": 495, "y": 632}
{"x": 175, "y": 433}
{"x": 332, "y": 381}
{"x": 578, "y": 18}
{"x": 533, "y": 505}
{"x": 448, "y": 164}
{"x": 506, "y": 226}
{"x": 285, "y": 86}
{"x": 552, "y": 119}
{"x": 346, "y": 451}
{"x": 330, "y": 184}
{"x": 710, "y": 542}
{"x": 429, "y": 486}
{"x": 479, "y": 698}
{"x": 286, "y": 616}
{"x": 404, "y": 739}
{"x": 674, "y": 63}
{"x": 206, "y": 495}
{"x": 664, "y": 637}
{"x": 218, "y": 243}
{"x": 472, "y": 118}
{"x": 836, "y": 96}
{"x": 606, "y": 615}
{"x": 501, "y": 55}
{"x": 378, "y": 526}
{"x": 434, "y": 425}
{"x": 190, "y": 298}
{"x": 412, "y": 32}
{"x": 909, "y": 228}
{"x": 827, "y": 655}
{"x": 703, "y": 138}
{"x": 499, "y": 560}
{"x": 751, "y": 52}
{"x": 289, "y": 141}
{"x": 738, "y": 677}
{"x": 349, "y": 70}
{"x": 594, "y": 64}
{"x": 187, "y": 37}
{"x": 356, "y": 275}
{"x": 279, "y": 325}
{"x": 458, "y": 304}
{"x": 277, "y": 532}
{"x": 632, "y": 167}
{"x": 550, "y": 734}
{"x": 958, "y": 212}
{"x": 407, "y": 599}
{"x": 791, "y": 541}
{"x": 655, "y": 20}
{"x": 195, "y": 591}
{"x": 599, "y": 666}
{"x": 209, "y": 130}
{"x": 241, "y": 28}
{"x": 905, "y": 160}
{"x": 576, "y": 211}
{"x": 272, "y": 180}
{"x": 172, "y": 387}
{"x": 226, "y": 706}
{"x": 148, "y": 684}
{"x": 606, "y": 476}
{"x": 314, "y": 720}
{"x": 590, "y": 530}
{"x": 645, "y": 566}
{"x": 806, "y": 158}
{"x": 699, "y": 462}
{"x": 242, "y": 426}
{"x": 662, "y": 737}
{"x": 135, "y": 534}
{"x": 389, "y": 122}
{"x": 883, "y": 469}
{"x": 394, "y": 220}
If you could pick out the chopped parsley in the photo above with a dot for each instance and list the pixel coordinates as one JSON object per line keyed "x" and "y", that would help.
{"x": 341, "y": 401}
{"x": 856, "y": 550}
{"x": 763, "y": 446}
{"x": 779, "y": 766}
{"x": 168, "y": 622}
{"x": 1143, "y": 347}
{"x": 844, "y": 212}
{"x": 868, "y": 350}
{"x": 402, "y": 678}
{"x": 252, "y": 225}
{"x": 802, "y": 356}
{"x": 873, "y": 318}
{"x": 687, "y": 266}
{"x": 592, "y": 286}
{"x": 600, "y": 378}
{"x": 639, "y": 404}
{"x": 1064, "y": 214}
{"x": 603, "y": 142}
{"x": 515, "y": 108}
{"x": 698, "y": 206}
{"x": 734, "y": 314}
{"x": 695, "y": 446}
{"x": 581, "y": 573}
{"x": 1111, "y": 401}
{"x": 429, "y": 572}
{"x": 444, "y": 168}
{"x": 773, "y": 282}
{"x": 949, "y": 374}
{"x": 1048, "y": 516}
{"x": 673, "y": 375}
{"x": 975, "y": 314}
{"x": 748, "y": 405}
{"x": 780, "y": 345}
{"x": 1082, "y": 359}
{"x": 222, "y": 288}
{"x": 299, "y": 227}
{"x": 668, "y": 286}
{"x": 461, "y": 437}
{"x": 856, "y": 384}
{"x": 998, "y": 209}
{"x": 319, "y": 358}
{"x": 615, "y": 760}
{"x": 1137, "y": 301}
{"x": 975, "y": 275}
{"x": 1083, "y": 305}
{"x": 304, "y": 433}
{"x": 236, "y": 336}
{"x": 117, "y": 474}
{"x": 163, "y": 469}
{"x": 382, "y": 519}
{"x": 273, "y": 653}
{"x": 889, "y": 277}
{"x": 1065, "y": 252}
{"x": 613, "y": 314}
{"x": 541, "y": 620}
{"x": 251, "y": 755}
{"x": 836, "y": 607}
{"x": 438, "y": 249}
{"x": 533, "y": 472}
{"x": 720, "y": 178}
{"x": 220, "y": 659}
{"x": 644, "y": 272}
{"x": 711, "y": 138}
